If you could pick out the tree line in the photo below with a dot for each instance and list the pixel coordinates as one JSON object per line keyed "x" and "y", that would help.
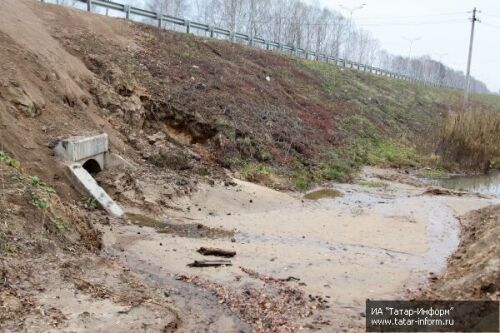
{"x": 311, "y": 27}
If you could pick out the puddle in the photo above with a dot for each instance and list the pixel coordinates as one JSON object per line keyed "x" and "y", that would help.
{"x": 324, "y": 193}
{"x": 190, "y": 230}
{"x": 484, "y": 184}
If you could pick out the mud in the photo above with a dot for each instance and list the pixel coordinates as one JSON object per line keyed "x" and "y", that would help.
{"x": 370, "y": 243}
{"x": 191, "y": 230}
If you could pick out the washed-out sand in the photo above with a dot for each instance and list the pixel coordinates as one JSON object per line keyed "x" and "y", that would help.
{"x": 375, "y": 243}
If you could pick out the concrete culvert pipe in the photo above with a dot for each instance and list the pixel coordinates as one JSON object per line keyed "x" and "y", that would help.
{"x": 92, "y": 166}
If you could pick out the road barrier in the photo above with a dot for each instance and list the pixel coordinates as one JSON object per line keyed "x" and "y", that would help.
{"x": 160, "y": 19}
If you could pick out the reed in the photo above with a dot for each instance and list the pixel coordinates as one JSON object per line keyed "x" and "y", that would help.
{"x": 470, "y": 140}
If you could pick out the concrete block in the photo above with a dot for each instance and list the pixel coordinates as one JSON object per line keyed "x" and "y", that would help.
{"x": 79, "y": 148}
{"x": 115, "y": 161}
{"x": 84, "y": 181}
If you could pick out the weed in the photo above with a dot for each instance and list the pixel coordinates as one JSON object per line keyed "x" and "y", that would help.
{"x": 58, "y": 223}
{"x": 7, "y": 249}
{"x": 372, "y": 183}
{"x": 433, "y": 173}
{"x": 471, "y": 139}
{"x": 301, "y": 182}
{"x": 391, "y": 154}
{"x": 340, "y": 167}
{"x": 495, "y": 162}
{"x": 90, "y": 203}
{"x": 9, "y": 160}
{"x": 253, "y": 171}
{"x": 37, "y": 182}
{"x": 38, "y": 202}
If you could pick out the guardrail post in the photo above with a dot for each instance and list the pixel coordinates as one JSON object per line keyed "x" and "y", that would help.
{"x": 231, "y": 36}
{"x": 89, "y": 5}
{"x": 211, "y": 30}
{"x": 250, "y": 38}
{"x": 188, "y": 26}
{"x": 127, "y": 12}
{"x": 267, "y": 45}
{"x": 159, "y": 16}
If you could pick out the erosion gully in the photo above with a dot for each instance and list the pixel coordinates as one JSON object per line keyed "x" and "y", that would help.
{"x": 379, "y": 240}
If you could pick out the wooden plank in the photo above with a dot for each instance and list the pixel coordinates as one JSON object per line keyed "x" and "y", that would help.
{"x": 210, "y": 251}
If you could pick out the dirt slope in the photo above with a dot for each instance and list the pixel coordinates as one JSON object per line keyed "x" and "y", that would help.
{"x": 184, "y": 103}
{"x": 473, "y": 271}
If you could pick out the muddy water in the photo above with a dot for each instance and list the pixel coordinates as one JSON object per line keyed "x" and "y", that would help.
{"x": 368, "y": 243}
{"x": 484, "y": 184}
{"x": 324, "y": 193}
{"x": 192, "y": 230}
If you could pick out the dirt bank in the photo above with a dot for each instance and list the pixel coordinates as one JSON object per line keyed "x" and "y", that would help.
{"x": 52, "y": 277}
{"x": 473, "y": 270}
{"x": 378, "y": 242}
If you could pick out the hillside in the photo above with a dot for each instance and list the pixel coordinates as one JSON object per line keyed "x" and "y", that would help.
{"x": 196, "y": 118}
{"x": 251, "y": 111}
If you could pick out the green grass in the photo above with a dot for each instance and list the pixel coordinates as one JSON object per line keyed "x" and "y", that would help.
{"x": 433, "y": 173}
{"x": 9, "y": 160}
{"x": 254, "y": 170}
{"x": 372, "y": 183}
{"x": 7, "y": 249}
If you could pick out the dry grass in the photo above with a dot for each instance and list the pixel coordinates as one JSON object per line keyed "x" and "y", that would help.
{"x": 471, "y": 139}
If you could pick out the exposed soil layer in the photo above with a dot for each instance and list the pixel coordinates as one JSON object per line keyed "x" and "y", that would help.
{"x": 474, "y": 269}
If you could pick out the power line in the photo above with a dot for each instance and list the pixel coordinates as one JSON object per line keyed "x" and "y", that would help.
{"x": 497, "y": 16}
{"x": 298, "y": 21}
{"x": 491, "y": 25}
{"x": 407, "y": 17}
{"x": 411, "y": 23}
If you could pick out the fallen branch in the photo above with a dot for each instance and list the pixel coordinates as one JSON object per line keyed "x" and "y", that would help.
{"x": 208, "y": 251}
{"x": 210, "y": 263}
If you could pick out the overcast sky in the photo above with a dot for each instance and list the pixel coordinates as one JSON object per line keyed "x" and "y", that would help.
{"x": 443, "y": 28}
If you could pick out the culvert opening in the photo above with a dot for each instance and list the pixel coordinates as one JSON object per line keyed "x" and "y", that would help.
{"x": 92, "y": 166}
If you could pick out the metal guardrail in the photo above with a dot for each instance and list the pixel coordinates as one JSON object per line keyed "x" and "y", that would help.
{"x": 252, "y": 40}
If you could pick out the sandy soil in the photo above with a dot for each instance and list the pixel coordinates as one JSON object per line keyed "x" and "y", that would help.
{"x": 371, "y": 243}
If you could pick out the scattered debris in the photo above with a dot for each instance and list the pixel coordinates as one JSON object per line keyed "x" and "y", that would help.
{"x": 208, "y": 251}
{"x": 210, "y": 263}
{"x": 269, "y": 308}
{"x": 440, "y": 191}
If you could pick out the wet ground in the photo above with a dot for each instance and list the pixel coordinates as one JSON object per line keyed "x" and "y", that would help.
{"x": 376, "y": 242}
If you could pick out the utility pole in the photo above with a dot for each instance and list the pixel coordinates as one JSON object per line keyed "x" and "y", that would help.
{"x": 467, "y": 79}
{"x": 410, "y": 41}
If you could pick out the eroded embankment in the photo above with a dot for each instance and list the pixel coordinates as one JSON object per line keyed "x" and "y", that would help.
{"x": 473, "y": 270}
{"x": 379, "y": 241}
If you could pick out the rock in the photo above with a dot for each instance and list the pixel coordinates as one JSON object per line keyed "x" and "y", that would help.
{"x": 158, "y": 136}
{"x": 229, "y": 183}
